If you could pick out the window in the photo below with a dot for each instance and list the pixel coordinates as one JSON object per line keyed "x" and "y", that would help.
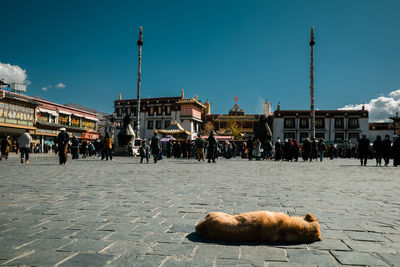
{"x": 354, "y": 136}
{"x": 150, "y": 125}
{"x": 168, "y": 110}
{"x": 320, "y": 123}
{"x": 320, "y": 135}
{"x": 339, "y": 123}
{"x": 303, "y": 136}
{"x": 158, "y": 124}
{"x": 289, "y": 135}
{"x": 119, "y": 112}
{"x": 151, "y": 111}
{"x": 339, "y": 137}
{"x": 353, "y": 123}
{"x": 44, "y": 117}
{"x": 289, "y": 123}
{"x": 159, "y": 111}
{"x": 167, "y": 124}
{"x": 304, "y": 123}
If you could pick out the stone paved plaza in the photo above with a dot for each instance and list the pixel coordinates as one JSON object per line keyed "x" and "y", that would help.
{"x": 121, "y": 213}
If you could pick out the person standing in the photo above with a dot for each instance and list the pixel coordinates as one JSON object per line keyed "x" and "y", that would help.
{"x": 378, "y": 148}
{"x": 386, "y": 147}
{"x": 331, "y": 152}
{"x": 5, "y": 147}
{"x": 24, "y": 142}
{"x": 75, "y": 147}
{"x": 62, "y": 142}
{"x": 278, "y": 149}
{"x": 200, "y": 145}
{"x": 295, "y": 150}
{"x": 144, "y": 151}
{"x": 321, "y": 149}
{"x": 155, "y": 146}
{"x": 306, "y": 149}
{"x": 212, "y": 147}
{"x": 362, "y": 149}
{"x": 250, "y": 147}
{"x": 396, "y": 151}
{"x": 257, "y": 149}
{"x": 107, "y": 145}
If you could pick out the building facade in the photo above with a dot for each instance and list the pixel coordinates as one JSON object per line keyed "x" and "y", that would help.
{"x": 335, "y": 126}
{"x": 43, "y": 119}
{"x": 159, "y": 113}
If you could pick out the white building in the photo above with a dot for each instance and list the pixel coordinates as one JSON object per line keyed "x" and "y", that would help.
{"x": 332, "y": 125}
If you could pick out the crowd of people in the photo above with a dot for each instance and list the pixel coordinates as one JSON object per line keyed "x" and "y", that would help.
{"x": 383, "y": 150}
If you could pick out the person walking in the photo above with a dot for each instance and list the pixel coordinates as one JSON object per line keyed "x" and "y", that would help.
{"x": 107, "y": 145}
{"x": 378, "y": 149}
{"x": 362, "y": 149}
{"x": 278, "y": 149}
{"x": 155, "y": 146}
{"x": 212, "y": 147}
{"x": 200, "y": 145}
{"x": 5, "y": 147}
{"x": 144, "y": 151}
{"x": 386, "y": 149}
{"x": 331, "y": 152}
{"x": 321, "y": 149}
{"x": 24, "y": 142}
{"x": 62, "y": 142}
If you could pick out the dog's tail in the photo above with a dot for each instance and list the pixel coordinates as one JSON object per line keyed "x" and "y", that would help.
{"x": 310, "y": 218}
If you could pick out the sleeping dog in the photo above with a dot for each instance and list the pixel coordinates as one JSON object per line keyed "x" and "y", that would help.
{"x": 259, "y": 226}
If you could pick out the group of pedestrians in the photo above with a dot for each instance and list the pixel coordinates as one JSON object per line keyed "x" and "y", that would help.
{"x": 382, "y": 149}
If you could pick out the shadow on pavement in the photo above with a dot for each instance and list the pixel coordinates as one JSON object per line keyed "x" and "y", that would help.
{"x": 198, "y": 239}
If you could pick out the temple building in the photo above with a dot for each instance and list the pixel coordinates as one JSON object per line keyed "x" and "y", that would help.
{"x": 159, "y": 113}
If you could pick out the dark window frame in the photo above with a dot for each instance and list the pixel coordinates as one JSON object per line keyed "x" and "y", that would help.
{"x": 288, "y": 125}
{"x": 150, "y": 125}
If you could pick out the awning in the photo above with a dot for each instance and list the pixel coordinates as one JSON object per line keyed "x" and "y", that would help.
{"x": 52, "y": 112}
{"x": 65, "y": 112}
{"x": 91, "y": 118}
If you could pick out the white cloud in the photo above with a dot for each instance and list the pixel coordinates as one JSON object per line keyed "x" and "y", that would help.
{"x": 46, "y": 88}
{"x": 382, "y": 107}
{"x": 13, "y": 74}
{"x": 61, "y": 85}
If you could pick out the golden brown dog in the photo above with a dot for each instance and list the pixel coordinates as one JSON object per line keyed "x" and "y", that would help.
{"x": 259, "y": 226}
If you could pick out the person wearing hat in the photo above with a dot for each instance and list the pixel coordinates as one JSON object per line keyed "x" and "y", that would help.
{"x": 155, "y": 146}
{"x": 200, "y": 145}
{"x": 212, "y": 147}
{"x": 62, "y": 142}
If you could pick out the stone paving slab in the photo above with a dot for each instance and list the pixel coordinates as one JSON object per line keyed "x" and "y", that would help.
{"x": 121, "y": 213}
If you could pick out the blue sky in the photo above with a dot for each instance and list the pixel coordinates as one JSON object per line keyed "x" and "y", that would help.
{"x": 215, "y": 49}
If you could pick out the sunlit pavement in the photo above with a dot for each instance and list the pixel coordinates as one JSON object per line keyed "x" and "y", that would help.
{"x": 123, "y": 213}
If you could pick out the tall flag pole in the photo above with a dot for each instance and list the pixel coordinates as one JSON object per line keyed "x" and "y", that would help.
{"x": 139, "y": 43}
{"x": 312, "y": 43}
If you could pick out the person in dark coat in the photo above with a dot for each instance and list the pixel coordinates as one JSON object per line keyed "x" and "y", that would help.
{"x": 212, "y": 147}
{"x": 362, "y": 149}
{"x": 278, "y": 149}
{"x": 250, "y": 147}
{"x": 62, "y": 142}
{"x": 155, "y": 146}
{"x": 295, "y": 150}
{"x": 332, "y": 152}
{"x": 169, "y": 149}
{"x": 396, "y": 151}
{"x": 378, "y": 149}
{"x": 306, "y": 149}
{"x": 386, "y": 149}
{"x": 75, "y": 147}
{"x": 321, "y": 148}
{"x": 314, "y": 152}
